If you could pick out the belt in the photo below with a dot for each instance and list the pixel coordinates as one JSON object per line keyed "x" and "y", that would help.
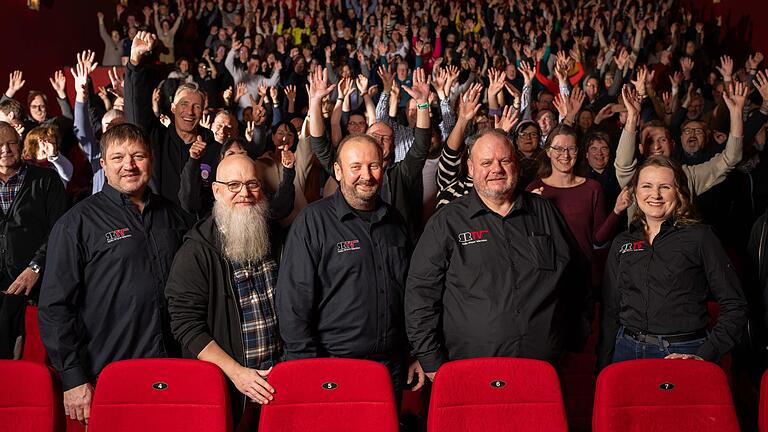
{"x": 669, "y": 339}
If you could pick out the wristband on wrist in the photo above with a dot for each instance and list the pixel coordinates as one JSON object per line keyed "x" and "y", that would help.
{"x": 424, "y": 105}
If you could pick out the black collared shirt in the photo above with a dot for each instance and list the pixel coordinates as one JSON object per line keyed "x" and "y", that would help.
{"x": 664, "y": 288}
{"x": 484, "y": 285}
{"x": 102, "y": 295}
{"x": 341, "y": 283}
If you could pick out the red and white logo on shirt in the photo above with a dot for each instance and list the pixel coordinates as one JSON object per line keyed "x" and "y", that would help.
{"x": 118, "y": 234}
{"x": 636, "y": 246}
{"x": 472, "y": 237}
{"x": 347, "y": 246}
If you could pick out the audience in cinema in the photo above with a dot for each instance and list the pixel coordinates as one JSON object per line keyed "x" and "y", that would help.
{"x": 411, "y": 182}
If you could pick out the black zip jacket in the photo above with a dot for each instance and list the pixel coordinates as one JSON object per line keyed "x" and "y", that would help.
{"x": 169, "y": 151}
{"x": 664, "y": 288}
{"x": 341, "y": 283}
{"x": 102, "y": 294}
{"x": 24, "y": 229}
{"x": 482, "y": 285}
{"x": 202, "y": 302}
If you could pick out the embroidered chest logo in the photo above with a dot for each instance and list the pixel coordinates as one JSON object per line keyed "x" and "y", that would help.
{"x": 117, "y": 234}
{"x": 347, "y": 246}
{"x": 472, "y": 237}
{"x": 632, "y": 247}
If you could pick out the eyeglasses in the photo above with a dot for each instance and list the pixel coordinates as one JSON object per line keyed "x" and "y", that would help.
{"x": 561, "y": 150}
{"x": 236, "y": 186}
{"x": 690, "y": 131}
{"x": 382, "y": 138}
{"x": 528, "y": 134}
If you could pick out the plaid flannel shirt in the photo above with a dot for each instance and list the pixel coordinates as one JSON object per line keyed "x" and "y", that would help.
{"x": 9, "y": 189}
{"x": 254, "y": 285}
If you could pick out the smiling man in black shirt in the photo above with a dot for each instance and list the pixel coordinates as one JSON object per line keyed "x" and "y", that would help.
{"x": 490, "y": 274}
{"x": 102, "y": 296}
{"x": 342, "y": 278}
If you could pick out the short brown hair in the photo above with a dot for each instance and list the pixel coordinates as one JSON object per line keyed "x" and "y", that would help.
{"x": 122, "y": 133}
{"x": 358, "y": 137}
{"x": 685, "y": 213}
{"x": 40, "y": 133}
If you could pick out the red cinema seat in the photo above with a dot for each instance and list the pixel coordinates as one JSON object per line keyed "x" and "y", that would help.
{"x": 27, "y": 402}
{"x": 763, "y": 414}
{"x": 663, "y": 395}
{"x": 494, "y": 394}
{"x": 330, "y": 394}
{"x": 160, "y": 395}
{"x": 34, "y": 350}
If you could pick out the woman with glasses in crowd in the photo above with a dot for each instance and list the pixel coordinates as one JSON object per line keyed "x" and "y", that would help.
{"x": 579, "y": 199}
{"x": 661, "y": 274}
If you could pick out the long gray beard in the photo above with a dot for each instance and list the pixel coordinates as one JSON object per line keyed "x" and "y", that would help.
{"x": 244, "y": 231}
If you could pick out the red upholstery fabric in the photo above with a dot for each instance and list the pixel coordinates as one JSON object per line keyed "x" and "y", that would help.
{"x": 34, "y": 350}
{"x": 464, "y": 398}
{"x": 194, "y": 398}
{"x": 362, "y": 400}
{"x": 629, "y": 397}
{"x": 763, "y": 414}
{"x": 27, "y": 402}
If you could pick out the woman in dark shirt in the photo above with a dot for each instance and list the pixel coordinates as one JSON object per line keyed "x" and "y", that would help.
{"x": 660, "y": 275}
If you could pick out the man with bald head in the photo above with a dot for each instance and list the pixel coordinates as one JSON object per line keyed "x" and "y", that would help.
{"x": 340, "y": 290}
{"x": 221, "y": 287}
{"x": 402, "y": 181}
{"x": 489, "y": 276}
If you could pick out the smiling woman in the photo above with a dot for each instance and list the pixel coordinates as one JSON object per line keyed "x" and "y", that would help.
{"x": 662, "y": 272}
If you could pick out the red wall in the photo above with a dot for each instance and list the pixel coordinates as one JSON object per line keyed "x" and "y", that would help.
{"x": 38, "y": 43}
{"x": 745, "y": 22}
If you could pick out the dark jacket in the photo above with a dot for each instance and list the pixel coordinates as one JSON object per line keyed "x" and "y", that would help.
{"x": 24, "y": 230}
{"x": 169, "y": 151}
{"x": 202, "y": 303}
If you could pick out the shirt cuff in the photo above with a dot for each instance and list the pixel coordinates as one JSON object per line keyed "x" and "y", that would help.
{"x": 73, "y": 377}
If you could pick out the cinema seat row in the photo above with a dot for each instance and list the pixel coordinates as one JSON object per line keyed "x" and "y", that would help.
{"x": 486, "y": 394}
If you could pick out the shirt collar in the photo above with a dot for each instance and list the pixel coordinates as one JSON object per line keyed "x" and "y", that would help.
{"x": 477, "y": 206}
{"x": 19, "y": 174}
{"x": 344, "y": 210}
{"x": 639, "y": 226}
{"x": 122, "y": 199}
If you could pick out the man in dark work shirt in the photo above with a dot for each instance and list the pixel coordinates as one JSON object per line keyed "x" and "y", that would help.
{"x": 342, "y": 278}
{"x": 489, "y": 276}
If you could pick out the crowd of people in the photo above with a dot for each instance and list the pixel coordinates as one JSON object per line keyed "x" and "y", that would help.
{"x": 401, "y": 181}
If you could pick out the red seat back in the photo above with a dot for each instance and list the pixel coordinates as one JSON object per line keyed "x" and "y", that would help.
{"x": 488, "y": 394}
{"x": 763, "y": 414}
{"x": 679, "y": 395}
{"x": 330, "y": 394}
{"x": 34, "y": 350}
{"x": 27, "y": 402}
{"x": 160, "y": 395}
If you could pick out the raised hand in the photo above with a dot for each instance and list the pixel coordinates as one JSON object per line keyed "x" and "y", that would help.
{"x": 754, "y": 61}
{"x": 197, "y": 148}
{"x": 761, "y": 83}
{"x": 318, "y": 85}
{"x": 259, "y": 115}
{"x": 362, "y": 84}
{"x": 143, "y": 43}
{"x": 59, "y": 84}
{"x": 496, "y": 84}
{"x": 469, "y": 103}
{"x": 675, "y": 79}
{"x": 604, "y": 113}
{"x": 386, "y": 74}
{"x": 290, "y": 93}
{"x": 420, "y": 89}
{"x": 249, "y": 128}
{"x": 686, "y": 63}
{"x": 116, "y": 80}
{"x": 631, "y": 101}
{"x": 273, "y": 95}
{"x": 205, "y": 121}
{"x": 80, "y": 74}
{"x": 725, "y": 68}
{"x": 639, "y": 83}
{"x": 623, "y": 201}
{"x": 575, "y": 101}
{"x": 287, "y": 158}
{"x": 622, "y": 58}
{"x": 508, "y": 119}
{"x": 240, "y": 90}
{"x": 345, "y": 87}
{"x": 15, "y": 83}
{"x": 87, "y": 59}
{"x": 736, "y": 98}
{"x": 227, "y": 95}
{"x": 528, "y": 73}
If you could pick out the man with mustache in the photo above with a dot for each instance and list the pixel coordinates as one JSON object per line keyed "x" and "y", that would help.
{"x": 340, "y": 290}
{"x": 490, "y": 274}
{"x": 221, "y": 287}
{"x": 170, "y": 145}
{"x": 102, "y": 295}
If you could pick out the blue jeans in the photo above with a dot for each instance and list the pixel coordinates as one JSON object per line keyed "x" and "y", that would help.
{"x": 627, "y": 348}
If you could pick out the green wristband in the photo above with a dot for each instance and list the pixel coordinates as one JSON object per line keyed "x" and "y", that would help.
{"x": 422, "y": 106}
